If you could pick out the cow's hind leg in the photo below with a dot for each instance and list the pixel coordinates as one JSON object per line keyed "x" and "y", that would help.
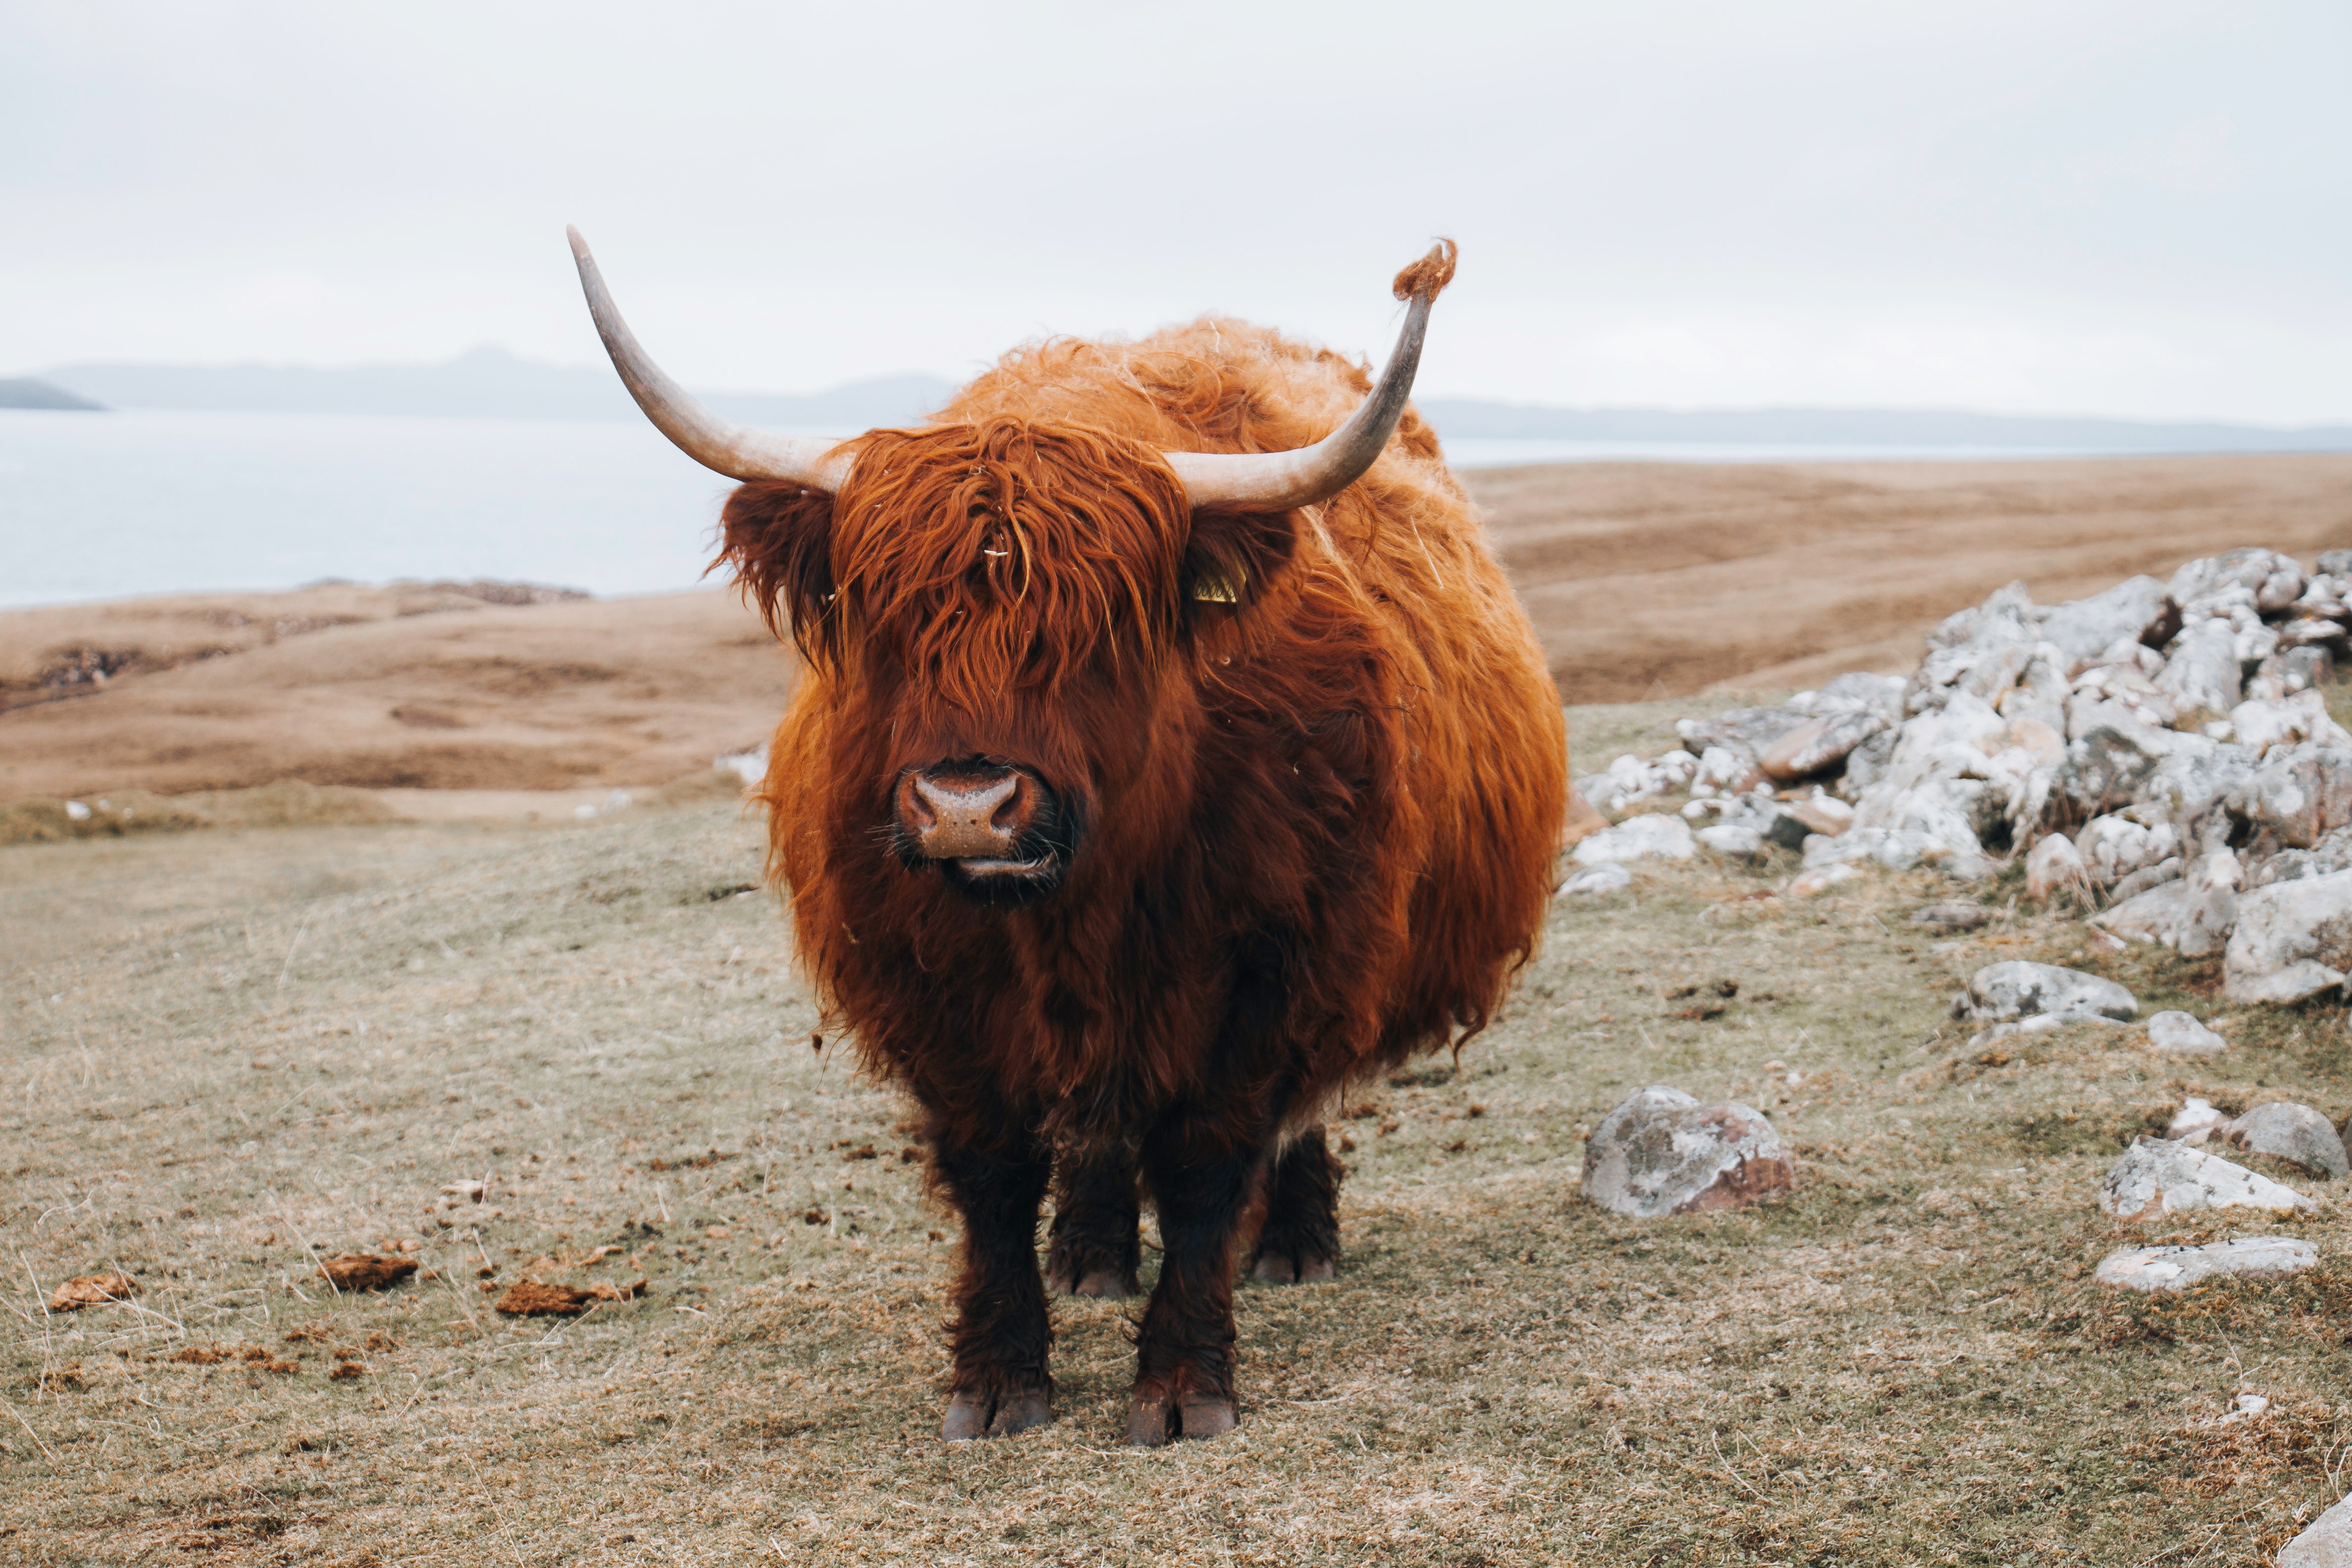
{"x": 1094, "y": 1250}
{"x": 1299, "y": 1242}
{"x": 1184, "y": 1354}
{"x": 998, "y": 1343}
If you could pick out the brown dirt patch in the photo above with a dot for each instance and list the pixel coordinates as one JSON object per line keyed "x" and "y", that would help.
{"x": 93, "y": 1290}
{"x": 366, "y": 1270}
{"x": 625, "y": 693}
{"x": 537, "y": 1299}
{"x": 1653, "y": 579}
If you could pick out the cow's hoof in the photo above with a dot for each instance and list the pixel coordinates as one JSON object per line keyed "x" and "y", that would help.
{"x": 973, "y": 1415}
{"x": 1153, "y": 1421}
{"x": 1305, "y": 1267}
{"x": 1102, "y": 1284}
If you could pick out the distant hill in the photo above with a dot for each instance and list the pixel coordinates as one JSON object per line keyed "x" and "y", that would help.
{"x": 25, "y": 392}
{"x": 489, "y": 383}
{"x": 1473, "y": 419}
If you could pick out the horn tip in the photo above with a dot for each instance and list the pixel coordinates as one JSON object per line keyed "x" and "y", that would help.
{"x": 1428, "y": 276}
{"x": 579, "y": 245}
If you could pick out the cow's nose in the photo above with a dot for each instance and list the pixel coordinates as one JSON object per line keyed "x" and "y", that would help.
{"x": 966, "y": 810}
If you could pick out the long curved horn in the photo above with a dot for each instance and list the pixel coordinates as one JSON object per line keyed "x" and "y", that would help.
{"x": 735, "y": 450}
{"x": 1276, "y": 481}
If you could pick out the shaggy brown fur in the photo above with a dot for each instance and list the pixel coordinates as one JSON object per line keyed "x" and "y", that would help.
{"x": 1314, "y": 827}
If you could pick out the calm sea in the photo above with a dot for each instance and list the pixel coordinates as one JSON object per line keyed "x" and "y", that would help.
{"x": 106, "y": 506}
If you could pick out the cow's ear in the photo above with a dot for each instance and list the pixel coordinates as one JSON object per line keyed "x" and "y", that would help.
{"x": 777, "y": 538}
{"x": 1232, "y": 556}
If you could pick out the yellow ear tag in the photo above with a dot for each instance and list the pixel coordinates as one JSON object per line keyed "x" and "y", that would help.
{"x": 1210, "y": 589}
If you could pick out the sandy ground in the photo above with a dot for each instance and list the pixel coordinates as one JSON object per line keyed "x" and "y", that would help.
{"x": 230, "y": 1054}
{"x": 584, "y": 696}
{"x": 1644, "y": 580}
{"x": 1651, "y": 580}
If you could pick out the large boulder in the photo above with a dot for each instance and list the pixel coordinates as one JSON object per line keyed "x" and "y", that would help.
{"x": 2053, "y": 866}
{"x": 2332, "y": 853}
{"x": 2303, "y": 793}
{"x": 2139, "y": 609}
{"x": 2114, "y": 847}
{"x": 2262, "y": 727}
{"x": 1663, "y": 1152}
{"x": 1819, "y": 744}
{"x": 2178, "y": 1267}
{"x": 2291, "y": 1132}
{"x": 2326, "y": 1541}
{"x": 2293, "y": 939}
{"x": 2273, "y": 580}
{"x": 2193, "y": 914}
{"x": 1745, "y": 733}
{"x": 2018, "y": 989}
{"x": 2108, "y": 766}
{"x": 2200, "y": 673}
{"x": 2156, "y": 1177}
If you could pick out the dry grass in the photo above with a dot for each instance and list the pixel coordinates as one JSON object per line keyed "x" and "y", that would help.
{"x": 229, "y": 1056}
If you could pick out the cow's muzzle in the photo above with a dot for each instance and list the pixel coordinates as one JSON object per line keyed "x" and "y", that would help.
{"x": 999, "y": 834}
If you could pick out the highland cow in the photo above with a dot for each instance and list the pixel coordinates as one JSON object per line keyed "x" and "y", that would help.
{"x": 1172, "y": 755}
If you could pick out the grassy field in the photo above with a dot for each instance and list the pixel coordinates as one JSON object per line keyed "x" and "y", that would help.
{"x": 227, "y": 1055}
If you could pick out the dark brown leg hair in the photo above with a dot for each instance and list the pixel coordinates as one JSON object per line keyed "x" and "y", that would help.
{"x": 1299, "y": 1242}
{"x": 1184, "y": 1354}
{"x": 1001, "y": 1336}
{"x": 1094, "y": 1247}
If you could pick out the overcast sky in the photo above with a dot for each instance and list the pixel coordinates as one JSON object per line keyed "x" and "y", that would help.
{"x": 2135, "y": 208}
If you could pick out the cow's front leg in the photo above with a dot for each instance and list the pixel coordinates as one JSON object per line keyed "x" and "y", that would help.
{"x": 1184, "y": 1356}
{"x": 1093, "y": 1249}
{"x": 999, "y": 1344}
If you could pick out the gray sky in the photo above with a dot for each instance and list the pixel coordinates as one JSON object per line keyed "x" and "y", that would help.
{"x": 2136, "y": 208}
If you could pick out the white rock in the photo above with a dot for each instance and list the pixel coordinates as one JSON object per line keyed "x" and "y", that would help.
{"x": 2270, "y": 581}
{"x": 2129, "y": 611}
{"x": 1652, "y": 836}
{"x": 1661, "y": 1152}
{"x": 2055, "y": 865}
{"x": 2178, "y": 1267}
{"x": 750, "y": 766}
{"x": 1607, "y": 877}
{"x": 2200, "y": 671}
{"x": 2153, "y": 916}
{"x": 1734, "y": 842}
{"x": 1820, "y": 879}
{"x": 2158, "y": 1176}
{"x": 2043, "y": 1023}
{"x": 2196, "y": 1119}
{"x": 2326, "y": 1541}
{"x": 2293, "y": 939}
{"x": 2177, "y": 1034}
{"x": 1719, "y": 769}
{"x": 2114, "y": 847}
{"x": 2291, "y": 1132}
{"x": 2261, "y": 726}
{"x": 2302, "y": 792}
{"x": 2018, "y": 989}
{"x": 78, "y": 811}
{"x": 1818, "y": 744}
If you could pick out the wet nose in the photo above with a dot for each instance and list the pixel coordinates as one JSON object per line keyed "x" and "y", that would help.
{"x": 967, "y": 811}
